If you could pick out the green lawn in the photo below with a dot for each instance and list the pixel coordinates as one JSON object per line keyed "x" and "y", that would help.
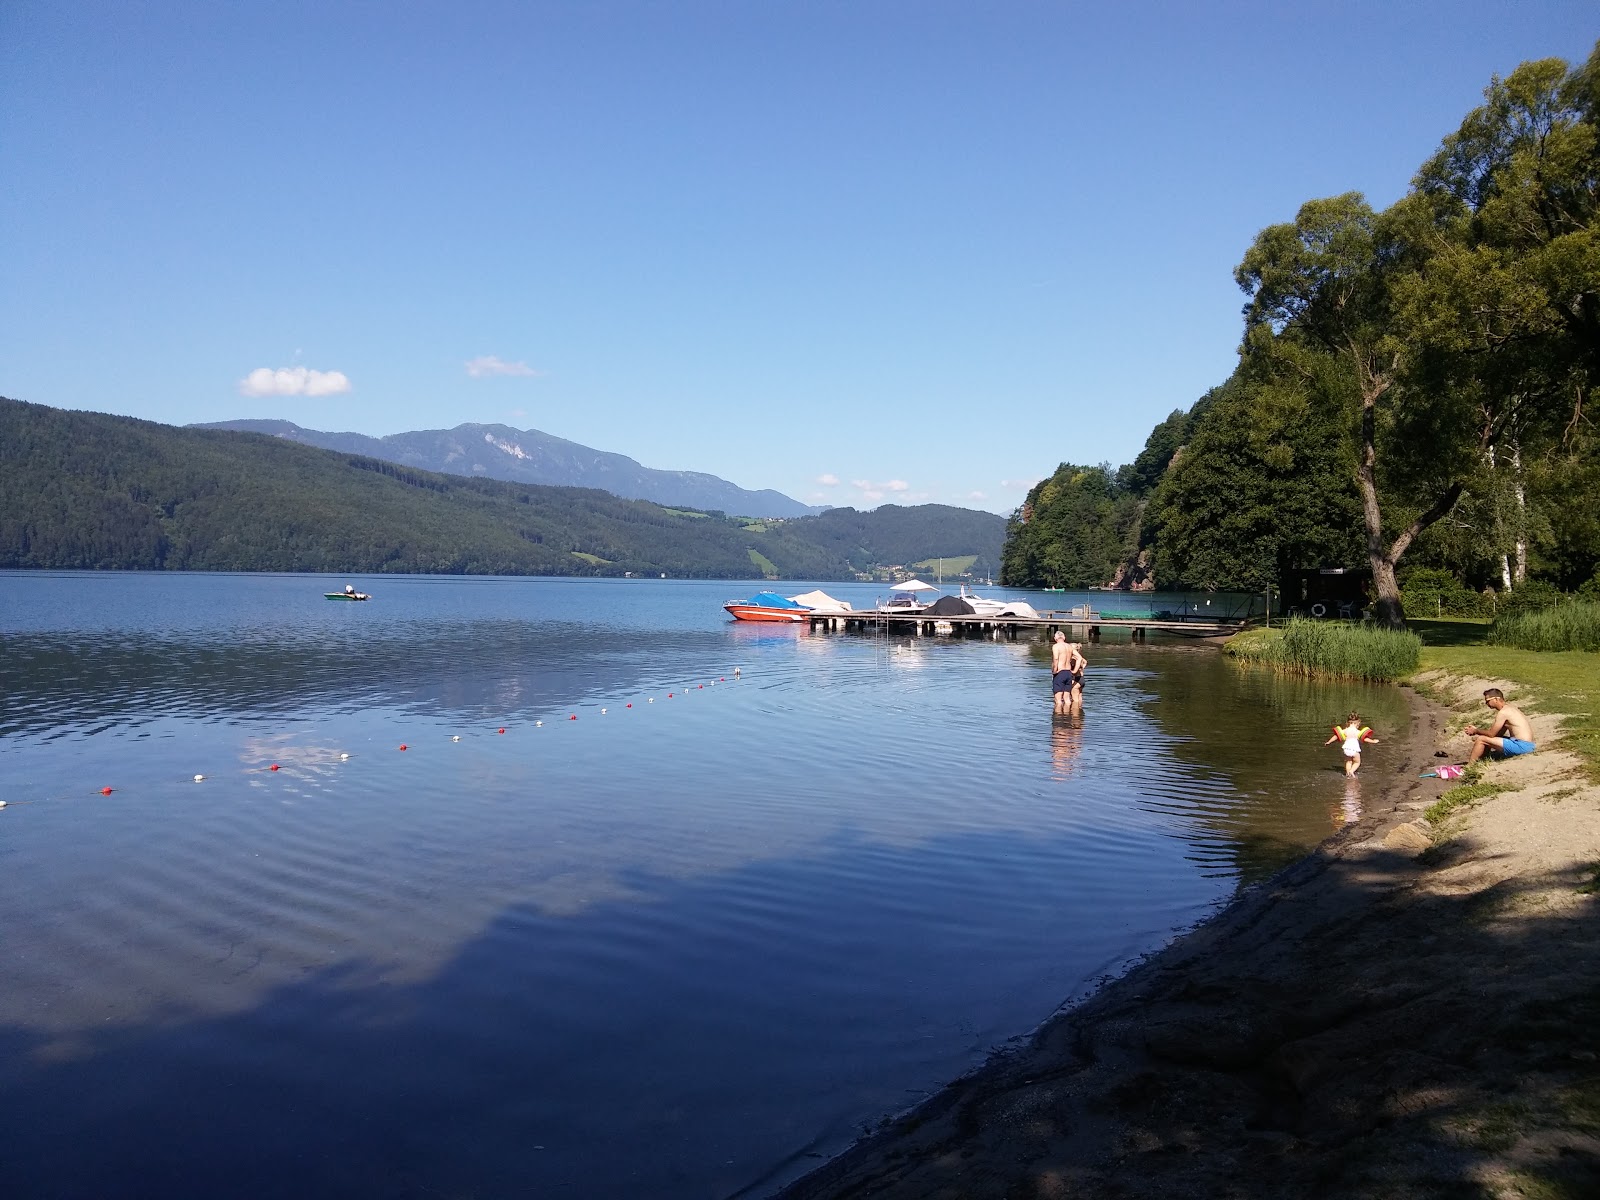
{"x": 950, "y": 566}
{"x": 1566, "y": 681}
{"x": 591, "y": 558}
{"x": 765, "y": 565}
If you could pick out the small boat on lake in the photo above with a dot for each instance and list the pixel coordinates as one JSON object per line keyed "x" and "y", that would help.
{"x": 349, "y": 593}
{"x": 912, "y": 596}
{"x": 982, "y": 606}
{"x": 767, "y": 606}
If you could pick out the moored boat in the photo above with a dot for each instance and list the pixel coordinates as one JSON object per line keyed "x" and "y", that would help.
{"x": 766, "y": 606}
{"x": 908, "y": 597}
{"x": 349, "y": 593}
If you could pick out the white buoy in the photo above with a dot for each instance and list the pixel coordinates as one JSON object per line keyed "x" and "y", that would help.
{"x": 343, "y": 757}
{"x": 199, "y": 778}
{"x": 736, "y": 672}
{"x": 602, "y": 712}
{"x": 455, "y": 737}
{"x": 538, "y": 723}
{"x": 2, "y": 803}
{"x": 652, "y": 699}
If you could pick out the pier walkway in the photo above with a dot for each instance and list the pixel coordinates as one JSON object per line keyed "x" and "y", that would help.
{"x": 1093, "y": 624}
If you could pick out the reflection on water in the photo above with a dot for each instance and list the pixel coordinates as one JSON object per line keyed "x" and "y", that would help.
{"x": 669, "y": 949}
{"x": 1066, "y": 739}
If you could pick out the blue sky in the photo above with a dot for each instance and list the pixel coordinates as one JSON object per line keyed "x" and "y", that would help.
{"x": 924, "y": 250}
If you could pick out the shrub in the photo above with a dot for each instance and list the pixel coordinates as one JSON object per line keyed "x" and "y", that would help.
{"x": 1330, "y": 648}
{"x": 1528, "y": 596}
{"x": 1430, "y": 592}
{"x": 1572, "y": 626}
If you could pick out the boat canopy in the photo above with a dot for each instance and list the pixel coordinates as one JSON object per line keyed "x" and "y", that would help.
{"x": 914, "y": 585}
{"x": 772, "y": 600}
{"x": 821, "y": 600}
{"x": 948, "y": 606}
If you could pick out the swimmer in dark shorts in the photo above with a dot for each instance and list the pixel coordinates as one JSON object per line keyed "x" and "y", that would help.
{"x": 1065, "y": 684}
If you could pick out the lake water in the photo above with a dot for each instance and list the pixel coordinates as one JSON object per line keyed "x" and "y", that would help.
{"x": 679, "y": 949}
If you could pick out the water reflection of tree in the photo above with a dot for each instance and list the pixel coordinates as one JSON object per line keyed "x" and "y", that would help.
{"x": 1257, "y": 736}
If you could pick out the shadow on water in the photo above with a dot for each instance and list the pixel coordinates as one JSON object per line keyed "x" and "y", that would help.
{"x": 1294, "y": 1076}
{"x": 485, "y": 1079}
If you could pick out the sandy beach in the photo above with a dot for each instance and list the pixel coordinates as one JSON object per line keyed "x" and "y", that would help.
{"x": 1412, "y": 1010}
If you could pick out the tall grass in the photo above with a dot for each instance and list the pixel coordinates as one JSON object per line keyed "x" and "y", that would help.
{"x": 1331, "y": 648}
{"x": 1565, "y": 627}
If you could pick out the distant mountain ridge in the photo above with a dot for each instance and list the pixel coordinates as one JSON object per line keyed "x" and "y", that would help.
{"x": 92, "y": 491}
{"x": 531, "y": 456}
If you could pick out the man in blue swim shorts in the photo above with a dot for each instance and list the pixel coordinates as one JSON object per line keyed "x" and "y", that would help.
{"x": 1510, "y": 733}
{"x": 1065, "y": 663}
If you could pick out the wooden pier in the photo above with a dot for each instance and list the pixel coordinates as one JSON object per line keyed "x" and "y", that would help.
{"x": 1092, "y": 624}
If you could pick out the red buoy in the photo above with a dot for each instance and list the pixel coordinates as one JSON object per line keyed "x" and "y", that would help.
{"x": 105, "y": 791}
{"x": 629, "y": 705}
{"x": 402, "y": 746}
{"x": 501, "y": 729}
{"x": 573, "y": 717}
{"x": 273, "y": 767}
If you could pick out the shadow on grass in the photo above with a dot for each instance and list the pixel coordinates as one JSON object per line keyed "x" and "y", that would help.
{"x": 1451, "y": 633}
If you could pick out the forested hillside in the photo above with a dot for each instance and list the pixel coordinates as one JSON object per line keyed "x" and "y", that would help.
{"x": 531, "y": 456}
{"x": 1412, "y": 393}
{"x": 91, "y": 491}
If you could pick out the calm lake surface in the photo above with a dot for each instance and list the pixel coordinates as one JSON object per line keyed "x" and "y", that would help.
{"x": 682, "y": 949}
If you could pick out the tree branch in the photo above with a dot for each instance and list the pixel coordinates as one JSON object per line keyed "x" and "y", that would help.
{"x": 1440, "y": 507}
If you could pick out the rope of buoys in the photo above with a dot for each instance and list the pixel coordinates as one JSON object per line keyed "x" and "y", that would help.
{"x": 346, "y": 756}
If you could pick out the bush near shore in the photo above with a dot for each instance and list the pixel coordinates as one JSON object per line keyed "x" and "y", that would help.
{"x": 1573, "y": 626}
{"x": 1334, "y": 649}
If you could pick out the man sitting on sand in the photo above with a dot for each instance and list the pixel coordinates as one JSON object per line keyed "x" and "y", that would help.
{"x": 1508, "y": 720}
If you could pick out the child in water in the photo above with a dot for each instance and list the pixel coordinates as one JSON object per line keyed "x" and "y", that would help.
{"x": 1352, "y": 733}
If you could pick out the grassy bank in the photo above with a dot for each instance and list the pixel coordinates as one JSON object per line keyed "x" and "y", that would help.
{"x": 1566, "y": 682}
{"x": 1565, "y": 627}
{"x": 1331, "y": 649}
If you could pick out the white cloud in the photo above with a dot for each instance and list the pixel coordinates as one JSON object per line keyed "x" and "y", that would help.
{"x": 489, "y": 364}
{"x": 1018, "y": 485}
{"x": 877, "y": 491}
{"x": 828, "y": 480}
{"x": 293, "y": 381}
{"x": 976, "y": 495}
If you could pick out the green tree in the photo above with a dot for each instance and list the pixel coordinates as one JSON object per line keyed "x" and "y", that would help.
{"x": 1265, "y": 485}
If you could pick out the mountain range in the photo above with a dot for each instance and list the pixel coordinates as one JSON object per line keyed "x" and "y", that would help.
{"x": 530, "y": 456}
{"x": 91, "y": 491}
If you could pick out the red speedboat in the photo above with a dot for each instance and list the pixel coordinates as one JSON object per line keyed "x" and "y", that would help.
{"x": 767, "y": 606}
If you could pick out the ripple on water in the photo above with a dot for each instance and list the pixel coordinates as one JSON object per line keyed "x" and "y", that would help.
{"x": 669, "y": 944}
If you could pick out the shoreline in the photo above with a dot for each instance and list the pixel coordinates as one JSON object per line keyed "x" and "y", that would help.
{"x": 1408, "y": 1010}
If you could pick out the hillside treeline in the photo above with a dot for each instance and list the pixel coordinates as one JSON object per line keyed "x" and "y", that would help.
{"x": 1413, "y": 386}
{"x": 91, "y": 491}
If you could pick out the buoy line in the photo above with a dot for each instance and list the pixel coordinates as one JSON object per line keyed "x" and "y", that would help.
{"x": 346, "y": 755}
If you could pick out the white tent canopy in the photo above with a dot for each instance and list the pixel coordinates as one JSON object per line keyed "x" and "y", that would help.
{"x": 913, "y": 585}
{"x": 820, "y": 601}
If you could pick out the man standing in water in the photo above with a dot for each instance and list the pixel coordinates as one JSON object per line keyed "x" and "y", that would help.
{"x": 1510, "y": 734}
{"x": 1065, "y": 663}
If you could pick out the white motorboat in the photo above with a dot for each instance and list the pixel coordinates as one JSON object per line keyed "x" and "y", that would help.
{"x": 984, "y": 607}
{"x": 912, "y": 596}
